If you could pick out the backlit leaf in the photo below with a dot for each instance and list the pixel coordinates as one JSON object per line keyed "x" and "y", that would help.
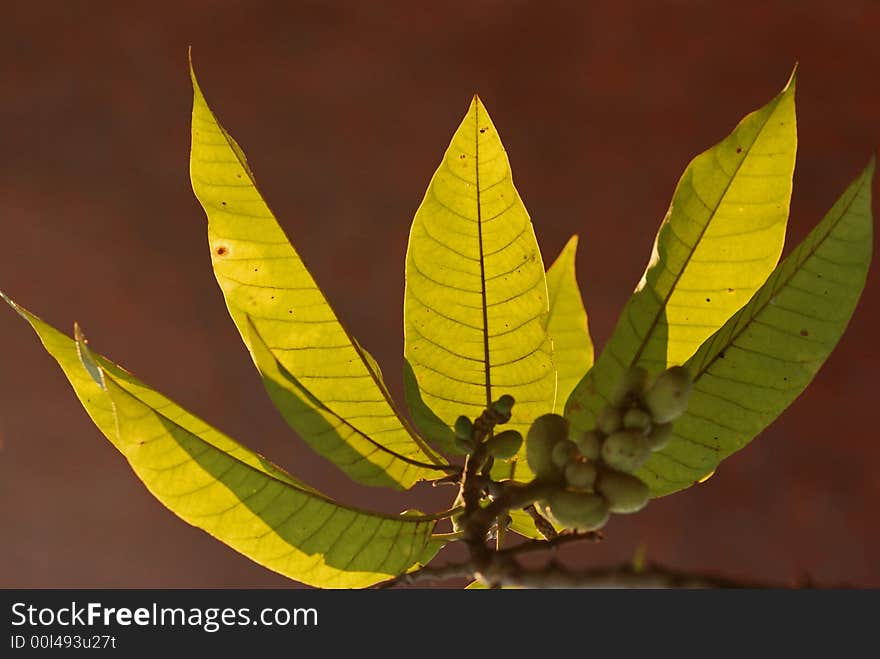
{"x": 567, "y": 323}
{"x": 752, "y": 368}
{"x": 476, "y": 295}
{"x": 721, "y": 238}
{"x": 223, "y": 488}
{"x": 263, "y": 278}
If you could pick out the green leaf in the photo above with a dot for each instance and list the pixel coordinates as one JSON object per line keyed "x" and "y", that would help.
{"x": 223, "y": 488}
{"x": 720, "y": 239}
{"x": 429, "y": 425}
{"x": 567, "y": 323}
{"x": 476, "y": 295}
{"x": 523, "y": 524}
{"x": 302, "y": 409}
{"x": 334, "y": 398}
{"x": 751, "y": 369}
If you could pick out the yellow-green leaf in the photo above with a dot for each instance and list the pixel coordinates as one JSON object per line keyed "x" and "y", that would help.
{"x": 429, "y": 425}
{"x": 301, "y": 408}
{"x": 476, "y": 295}
{"x": 263, "y": 278}
{"x": 567, "y": 323}
{"x": 522, "y": 523}
{"x": 720, "y": 239}
{"x": 223, "y": 488}
{"x": 752, "y": 368}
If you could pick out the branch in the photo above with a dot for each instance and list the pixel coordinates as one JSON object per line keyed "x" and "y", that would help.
{"x": 653, "y": 576}
{"x": 503, "y": 571}
{"x": 427, "y": 573}
{"x": 558, "y": 540}
{"x": 486, "y": 504}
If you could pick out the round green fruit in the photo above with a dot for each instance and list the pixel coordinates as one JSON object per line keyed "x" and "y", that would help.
{"x": 659, "y": 436}
{"x": 504, "y": 445}
{"x": 545, "y": 433}
{"x": 667, "y": 399}
{"x": 610, "y": 420}
{"x": 625, "y": 450}
{"x": 503, "y": 405}
{"x": 624, "y": 493}
{"x": 464, "y": 427}
{"x": 589, "y": 443}
{"x": 636, "y": 418}
{"x": 580, "y": 476}
{"x": 630, "y": 386}
{"x": 578, "y": 510}
{"x": 563, "y": 453}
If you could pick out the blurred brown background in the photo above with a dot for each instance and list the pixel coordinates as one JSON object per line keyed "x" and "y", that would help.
{"x": 344, "y": 110}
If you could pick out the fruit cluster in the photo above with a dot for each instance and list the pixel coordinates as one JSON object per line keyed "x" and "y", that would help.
{"x": 594, "y": 468}
{"x": 502, "y": 446}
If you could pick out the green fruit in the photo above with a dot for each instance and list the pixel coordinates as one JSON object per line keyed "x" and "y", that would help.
{"x": 580, "y": 475}
{"x": 610, "y": 420}
{"x": 546, "y": 431}
{"x": 667, "y": 399}
{"x": 625, "y": 450}
{"x": 624, "y": 493}
{"x": 630, "y": 386}
{"x": 589, "y": 443}
{"x": 635, "y": 418}
{"x": 659, "y": 436}
{"x": 563, "y": 453}
{"x": 578, "y": 510}
{"x": 503, "y": 405}
{"x": 464, "y": 428}
{"x": 505, "y": 445}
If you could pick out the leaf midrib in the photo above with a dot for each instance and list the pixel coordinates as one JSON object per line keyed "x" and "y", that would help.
{"x": 780, "y": 283}
{"x": 672, "y": 287}
{"x": 485, "y": 309}
{"x": 307, "y": 492}
{"x": 409, "y": 430}
{"x": 326, "y": 408}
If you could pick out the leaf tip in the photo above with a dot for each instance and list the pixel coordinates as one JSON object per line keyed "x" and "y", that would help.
{"x": 12, "y": 303}
{"x": 197, "y": 91}
{"x": 478, "y": 105}
{"x": 867, "y": 176}
{"x": 567, "y": 253}
{"x": 792, "y": 79}
{"x": 189, "y": 62}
